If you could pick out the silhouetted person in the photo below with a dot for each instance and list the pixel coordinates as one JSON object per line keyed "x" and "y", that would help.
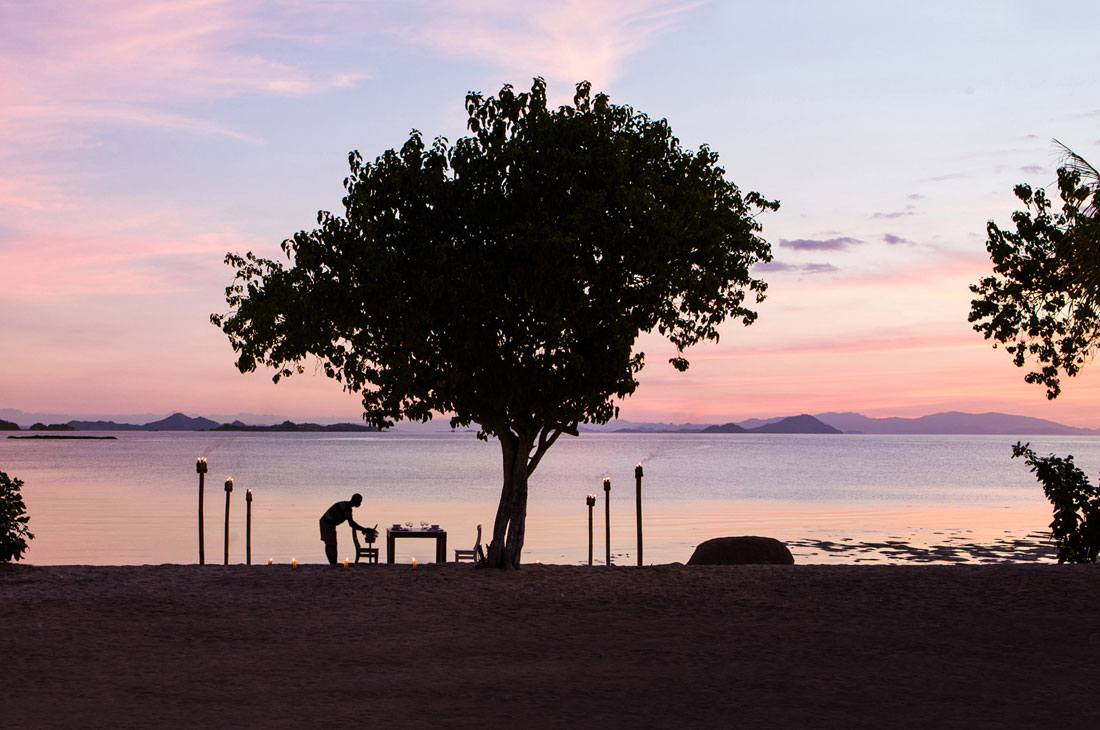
{"x": 336, "y": 514}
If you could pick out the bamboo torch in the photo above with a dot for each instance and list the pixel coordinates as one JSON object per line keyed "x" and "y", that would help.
{"x": 590, "y": 500}
{"x": 228, "y": 491}
{"x": 607, "y": 516}
{"x": 248, "y": 527}
{"x": 638, "y": 481}
{"x": 200, "y": 467}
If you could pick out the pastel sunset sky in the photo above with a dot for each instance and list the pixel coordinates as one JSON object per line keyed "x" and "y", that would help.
{"x": 141, "y": 140}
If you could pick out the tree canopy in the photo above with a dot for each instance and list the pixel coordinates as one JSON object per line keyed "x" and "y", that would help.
{"x": 1041, "y": 302}
{"x": 504, "y": 279}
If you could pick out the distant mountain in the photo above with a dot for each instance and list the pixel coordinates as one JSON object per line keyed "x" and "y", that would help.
{"x": 953, "y": 422}
{"x": 290, "y": 426}
{"x": 796, "y": 424}
{"x": 750, "y": 423}
{"x": 656, "y": 428}
{"x": 174, "y": 422}
{"x": 25, "y": 419}
{"x": 8, "y": 426}
{"x": 261, "y": 419}
{"x": 103, "y": 426}
{"x": 950, "y": 423}
{"x": 620, "y": 426}
{"x": 724, "y": 428}
{"x": 180, "y": 422}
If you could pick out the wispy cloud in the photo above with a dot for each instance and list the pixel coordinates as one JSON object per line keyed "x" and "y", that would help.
{"x": 135, "y": 62}
{"x": 26, "y": 192}
{"x": 781, "y": 267}
{"x": 892, "y": 215}
{"x": 61, "y": 114}
{"x": 948, "y": 176}
{"x": 43, "y": 266}
{"x": 873, "y": 341}
{"x": 816, "y": 244}
{"x": 565, "y": 40}
{"x": 1033, "y": 169}
{"x": 893, "y": 240}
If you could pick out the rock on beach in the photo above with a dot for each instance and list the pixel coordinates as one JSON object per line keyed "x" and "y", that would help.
{"x": 744, "y": 550}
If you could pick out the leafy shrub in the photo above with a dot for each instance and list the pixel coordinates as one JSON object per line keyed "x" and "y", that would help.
{"x": 1076, "y": 525}
{"x": 13, "y": 520}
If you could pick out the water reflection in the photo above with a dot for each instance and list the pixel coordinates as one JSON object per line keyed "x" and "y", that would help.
{"x": 831, "y": 499}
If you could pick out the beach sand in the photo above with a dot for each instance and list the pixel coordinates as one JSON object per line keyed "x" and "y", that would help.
{"x": 804, "y": 646}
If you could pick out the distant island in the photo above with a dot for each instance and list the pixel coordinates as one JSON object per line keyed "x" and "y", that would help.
{"x": 802, "y": 424}
{"x": 832, "y": 422}
{"x": 792, "y": 424}
{"x": 181, "y": 422}
{"x": 947, "y": 423}
{"x": 290, "y": 426}
{"x": 174, "y": 422}
{"x": 68, "y": 437}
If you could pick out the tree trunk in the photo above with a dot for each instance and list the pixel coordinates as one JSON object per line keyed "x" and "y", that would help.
{"x": 511, "y": 519}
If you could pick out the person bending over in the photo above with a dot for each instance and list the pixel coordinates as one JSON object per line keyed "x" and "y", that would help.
{"x": 336, "y": 514}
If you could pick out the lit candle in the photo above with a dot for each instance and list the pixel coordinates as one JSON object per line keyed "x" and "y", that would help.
{"x": 294, "y": 562}
{"x": 269, "y": 561}
{"x": 345, "y": 562}
{"x": 414, "y": 562}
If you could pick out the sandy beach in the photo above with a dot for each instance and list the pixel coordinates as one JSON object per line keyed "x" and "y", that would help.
{"x": 831, "y": 646}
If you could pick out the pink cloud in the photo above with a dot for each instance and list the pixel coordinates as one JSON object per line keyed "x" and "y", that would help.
{"x": 62, "y": 114}
{"x": 48, "y": 266}
{"x": 567, "y": 40}
{"x": 62, "y": 63}
{"x": 27, "y": 193}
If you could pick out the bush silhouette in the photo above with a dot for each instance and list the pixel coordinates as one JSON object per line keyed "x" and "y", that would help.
{"x": 1076, "y": 525}
{"x": 13, "y": 520}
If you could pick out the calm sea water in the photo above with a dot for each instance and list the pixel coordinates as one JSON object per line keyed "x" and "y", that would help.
{"x": 134, "y": 500}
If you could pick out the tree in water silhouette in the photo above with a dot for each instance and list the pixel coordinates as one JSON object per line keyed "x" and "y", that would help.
{"x": 505, "y": 279}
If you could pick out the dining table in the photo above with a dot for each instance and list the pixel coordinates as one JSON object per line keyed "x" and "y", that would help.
{"x": 436, "y": 533}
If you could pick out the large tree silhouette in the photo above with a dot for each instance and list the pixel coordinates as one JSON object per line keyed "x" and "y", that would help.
{"x": 1042, "y": 301}
{"x": 505, "y": 279}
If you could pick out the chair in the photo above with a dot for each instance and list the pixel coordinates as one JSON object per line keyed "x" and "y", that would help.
{"x": 369, "y": 551}
{"x": 475, "y": 555}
